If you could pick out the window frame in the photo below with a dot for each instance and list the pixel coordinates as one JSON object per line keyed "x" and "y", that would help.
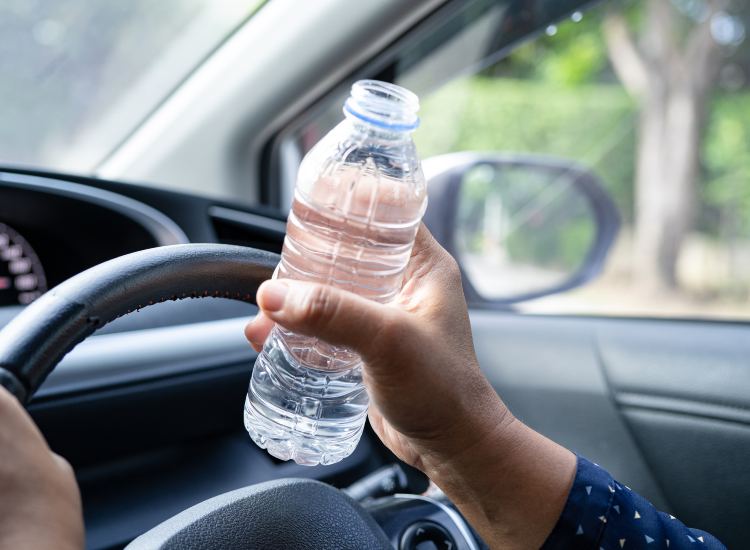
{"x": 274, "y": 177}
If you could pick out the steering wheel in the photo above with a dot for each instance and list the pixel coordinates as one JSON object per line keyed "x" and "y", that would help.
{"x": 286, "y": 513}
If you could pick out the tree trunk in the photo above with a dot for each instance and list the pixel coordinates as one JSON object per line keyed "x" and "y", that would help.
{"x": 671, "y": 85}
{"x": 667, "y": 170}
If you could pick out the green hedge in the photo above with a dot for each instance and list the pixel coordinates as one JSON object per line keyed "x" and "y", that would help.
{"x": 594, "y": 124}
{"x": 726, "y": 160}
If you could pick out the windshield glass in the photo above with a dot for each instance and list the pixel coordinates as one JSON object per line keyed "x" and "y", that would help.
{"x": 77, "y": 76}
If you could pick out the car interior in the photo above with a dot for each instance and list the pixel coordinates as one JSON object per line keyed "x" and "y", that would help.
{"x": 147, "y": 408}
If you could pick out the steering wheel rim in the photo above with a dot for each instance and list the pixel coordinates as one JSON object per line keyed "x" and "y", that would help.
{"x": 285, "y": 510}
{"x": 35, "y": 341}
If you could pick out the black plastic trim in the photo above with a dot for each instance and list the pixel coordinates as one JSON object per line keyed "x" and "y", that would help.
{"x": 164, "y": 230}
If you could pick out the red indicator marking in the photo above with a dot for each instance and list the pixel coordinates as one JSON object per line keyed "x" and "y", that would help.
{"x": 4, "y": 283}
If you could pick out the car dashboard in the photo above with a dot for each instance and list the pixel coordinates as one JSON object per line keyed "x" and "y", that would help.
{"x": 149, "y": 409}
{"x": 52, "y": 229}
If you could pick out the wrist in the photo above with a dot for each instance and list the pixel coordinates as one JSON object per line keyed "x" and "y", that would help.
{"x": 467, "y": 475}
{"x": 473, "y": 457}
{"x": 511, "y": 484}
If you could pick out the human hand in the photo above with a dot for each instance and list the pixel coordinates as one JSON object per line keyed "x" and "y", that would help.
{"x": 40, "y": 506}
{"x": 429, "y": 401}
{"x": 417, "y": 350}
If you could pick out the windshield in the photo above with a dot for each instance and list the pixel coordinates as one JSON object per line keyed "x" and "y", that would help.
{"x": 77, "y": 76}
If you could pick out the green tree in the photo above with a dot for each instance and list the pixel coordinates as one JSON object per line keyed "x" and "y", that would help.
{"x": 668, "y": 61}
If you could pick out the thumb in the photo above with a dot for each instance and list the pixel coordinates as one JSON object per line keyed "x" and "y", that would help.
{"x": 333, "y": 315}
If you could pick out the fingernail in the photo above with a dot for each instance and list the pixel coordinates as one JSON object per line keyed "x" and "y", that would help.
{"x": 272, "y": 295}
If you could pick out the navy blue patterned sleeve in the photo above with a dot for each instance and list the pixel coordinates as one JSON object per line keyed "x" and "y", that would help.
{"x": 602, "y": 514}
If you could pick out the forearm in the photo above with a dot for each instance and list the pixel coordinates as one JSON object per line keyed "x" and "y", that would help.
{"x": 511, "y": 485}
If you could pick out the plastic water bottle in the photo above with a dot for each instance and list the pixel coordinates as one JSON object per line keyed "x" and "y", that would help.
{"x": 359, "y": 198}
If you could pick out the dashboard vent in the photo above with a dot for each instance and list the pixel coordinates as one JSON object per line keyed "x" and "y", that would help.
{"x": 247, "y": 229}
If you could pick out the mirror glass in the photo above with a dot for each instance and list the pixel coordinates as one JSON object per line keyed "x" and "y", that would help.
{"x": 521, "y": 228}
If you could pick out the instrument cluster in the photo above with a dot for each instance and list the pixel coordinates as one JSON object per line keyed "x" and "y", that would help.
{"x": 22, "y": 277}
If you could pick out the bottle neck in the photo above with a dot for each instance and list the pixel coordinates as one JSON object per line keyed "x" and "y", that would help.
{"x": 377, "y": 132}
{"x": 384, "y": 108}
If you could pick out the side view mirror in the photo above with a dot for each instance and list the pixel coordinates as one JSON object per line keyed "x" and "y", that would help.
{"x": 520, "y": 226}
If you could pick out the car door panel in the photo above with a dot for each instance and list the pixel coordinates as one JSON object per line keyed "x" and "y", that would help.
{"x": 684, "y": 389}
{"x": 706, "y": 363}
{"x": 663, "y": 405}
{"x": 547, "y": 372}
{"x": 702, "y": 465}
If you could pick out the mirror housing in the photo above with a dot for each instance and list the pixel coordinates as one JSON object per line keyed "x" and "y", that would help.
{"x": 531, "y": 202}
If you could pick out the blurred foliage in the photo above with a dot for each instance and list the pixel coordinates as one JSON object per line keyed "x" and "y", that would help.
{"x": 571, "y": 53}
{"x": 530, "y": 216}
{"x": 558, "y": 95}
{"x": 592, "y": 123}
{"x": 726, "y": 192}
{"x": 562, "y": 247}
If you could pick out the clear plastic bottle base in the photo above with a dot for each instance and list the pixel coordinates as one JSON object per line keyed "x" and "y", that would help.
{"x": 284, "y": 444}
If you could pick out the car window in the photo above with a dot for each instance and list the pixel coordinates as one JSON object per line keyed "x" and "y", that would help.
{"x": 77, "y": 76}
{"x": 652, "y": 96}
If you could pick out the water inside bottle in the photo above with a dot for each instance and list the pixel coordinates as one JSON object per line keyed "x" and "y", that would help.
{"x": 353, "y": 229}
